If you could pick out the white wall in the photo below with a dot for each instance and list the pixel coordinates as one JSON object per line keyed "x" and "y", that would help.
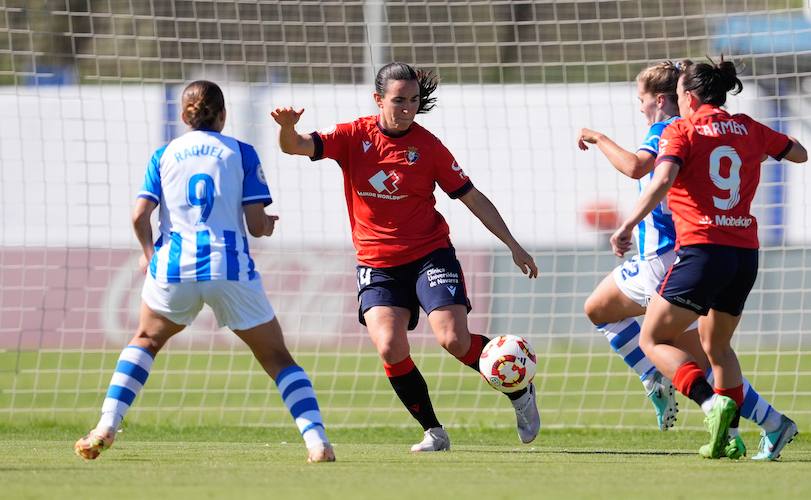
{"x": 72, "y": 158}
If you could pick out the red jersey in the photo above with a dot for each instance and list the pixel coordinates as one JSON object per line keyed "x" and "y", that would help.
{"x": 719, "y": 156}
{"x": 389, "y": 188}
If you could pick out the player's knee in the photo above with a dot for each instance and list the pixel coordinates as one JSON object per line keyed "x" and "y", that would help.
{"x": 595, "y": 310}
{"x": 717, "y": 350}
{"x": 145, "y": 340}
{"x": 391, "y": 354}
{"x": 454, "y": 344}
{"x": 646, "y": 343}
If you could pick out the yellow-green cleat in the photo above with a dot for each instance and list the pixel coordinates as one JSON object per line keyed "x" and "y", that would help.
{"x": 734, "y": 449}
{"x": 717, "y": 422}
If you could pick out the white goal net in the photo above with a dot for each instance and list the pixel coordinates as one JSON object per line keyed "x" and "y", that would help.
{"x": 90, "y": 88}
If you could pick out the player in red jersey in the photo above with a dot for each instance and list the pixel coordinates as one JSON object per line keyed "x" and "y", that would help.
{"x": 710, "y": 163}
{"x": 390, "y": 166}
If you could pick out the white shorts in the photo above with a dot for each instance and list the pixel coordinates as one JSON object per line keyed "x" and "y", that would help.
{"x": 239, "y": 305}
{"x": 639, "y": 279}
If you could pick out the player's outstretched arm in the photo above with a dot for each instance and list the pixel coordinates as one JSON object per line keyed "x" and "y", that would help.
{"x": 142, "y": 226}
{"x": 290, "y": 141}
{"x": 259, "y": 223}
{"x": 483, "y": 208}
{"x": 634, "y": 165}
{"x": 663, "y": 178}
{"x": 797, "y": 153}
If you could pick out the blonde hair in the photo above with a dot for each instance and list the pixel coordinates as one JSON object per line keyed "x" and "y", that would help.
{"x": 202, "y": 103}
{"x": 662, "y": 78}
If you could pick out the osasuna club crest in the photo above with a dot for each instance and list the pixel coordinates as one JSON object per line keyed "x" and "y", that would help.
{"x": 412, "y": 155}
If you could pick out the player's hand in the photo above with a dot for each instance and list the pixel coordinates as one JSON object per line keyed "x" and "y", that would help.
{"x": 621, "y": 240}
{"x": 525, "y": 262}
{"x": 143, "y": 263}
{"x": 270, "y": 224}
{"x": 587, "y": 136}
{"x": 286, "y": 117}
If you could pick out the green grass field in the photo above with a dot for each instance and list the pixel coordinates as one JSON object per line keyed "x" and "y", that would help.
{"x": 576, "y": 389}
{"x": 210, "y": 425}
{"x": 37, "y": 461}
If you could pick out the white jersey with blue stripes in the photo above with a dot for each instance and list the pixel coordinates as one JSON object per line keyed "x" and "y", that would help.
{"x": 201, "y": 180}
{"x": 655, "y": 233}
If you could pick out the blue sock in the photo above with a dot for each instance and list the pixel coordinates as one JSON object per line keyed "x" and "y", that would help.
{"x": 624, "y": 339}
{"x": 299, "y": 397}
{"x": 130, "y": 376}
{"x": 754, "y": 407}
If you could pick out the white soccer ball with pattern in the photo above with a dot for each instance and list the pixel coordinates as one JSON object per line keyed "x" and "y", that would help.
{"x": 508, "y": 363}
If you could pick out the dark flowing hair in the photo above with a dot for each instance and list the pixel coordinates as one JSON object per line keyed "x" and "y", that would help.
{"x": 710, "y": 82}
{"x": 202, "y": 103}
{"x": 427, "y": 81}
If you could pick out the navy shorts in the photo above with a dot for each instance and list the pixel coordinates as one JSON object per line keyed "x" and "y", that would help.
{"x": 708, "y": 277}
{"x": 429, "y": 282}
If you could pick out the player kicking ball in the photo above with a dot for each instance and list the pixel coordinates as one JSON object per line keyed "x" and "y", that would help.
{"x": 405, "y": 257}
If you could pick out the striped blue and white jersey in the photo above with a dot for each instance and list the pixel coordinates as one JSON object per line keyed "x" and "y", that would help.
{"x": 201, "y": 180}
{"x": 655, "y": 234}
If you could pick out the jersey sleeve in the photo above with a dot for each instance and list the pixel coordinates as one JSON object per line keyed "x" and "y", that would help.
{"x": 151, "y": 188}
{"x": 776, "y": 144}
{"x": 333, "y": 144}
{"x": 651, "y": 142}
{"x": 254, "y": 185}
{"x": 674, "y": 145}
{"x": 449, "y": 175}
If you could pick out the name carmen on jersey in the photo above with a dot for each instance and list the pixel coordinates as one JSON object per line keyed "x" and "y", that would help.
{"x": 715, "y": 129}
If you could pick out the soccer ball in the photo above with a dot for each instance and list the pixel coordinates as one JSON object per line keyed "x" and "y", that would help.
{"x": 508, "y": 363}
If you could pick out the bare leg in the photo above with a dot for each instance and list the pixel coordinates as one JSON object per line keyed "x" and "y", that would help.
{"x": 607, "y": 304}
{"x": 716, "y": 333}
{"x": 267, "y": 344}
{"x": 664, "y": 324}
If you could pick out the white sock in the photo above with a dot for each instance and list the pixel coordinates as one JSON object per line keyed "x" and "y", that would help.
{"x": 298, "y": 395}
{"x": 772, "y": 421}
{"x": 129, "y": 378}
{"x": 624, "y": 339}
{"x": 707, "y": 405}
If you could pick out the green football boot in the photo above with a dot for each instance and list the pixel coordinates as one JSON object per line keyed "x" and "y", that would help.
{"x": 717, "y": 422}
{"x": 734, "y": 449}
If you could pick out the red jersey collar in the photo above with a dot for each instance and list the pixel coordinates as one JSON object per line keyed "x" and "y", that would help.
{"x": 706, "y": 110}
{"x": 389, "y": 134}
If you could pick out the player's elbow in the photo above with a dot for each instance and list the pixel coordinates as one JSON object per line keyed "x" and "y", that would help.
{"x": 256, "y": 229}
{"x": 256, "y": 224}
{"x": 797, "y": 153}
{"x": 636, "y": 173}
{"x": 640, "y": 168}
{"x": 801, "y": 155}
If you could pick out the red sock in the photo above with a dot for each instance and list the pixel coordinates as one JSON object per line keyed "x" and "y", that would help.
{"x": 686, "y": 375}
{"x": 400, "y": 368}
{"x": 471, "y": 358}
{"x": 736, "y": 393}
